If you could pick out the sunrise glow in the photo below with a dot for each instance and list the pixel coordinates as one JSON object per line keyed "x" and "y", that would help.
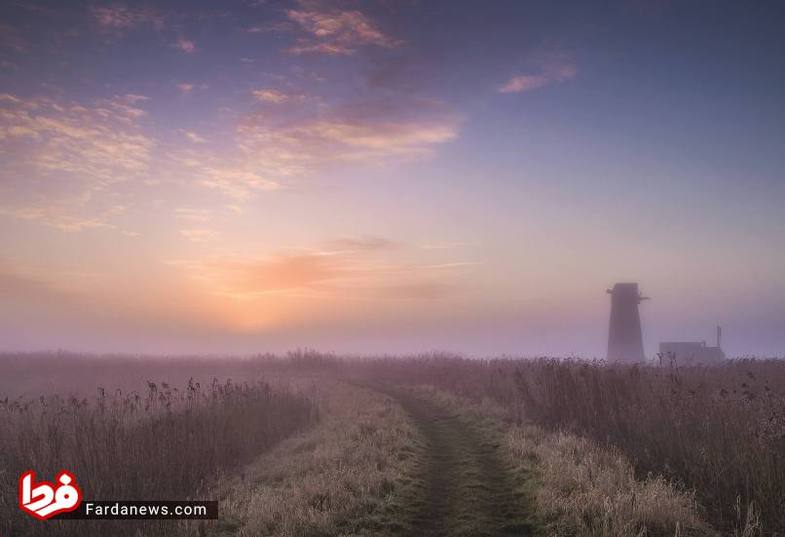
{"x": 387, "y": 176}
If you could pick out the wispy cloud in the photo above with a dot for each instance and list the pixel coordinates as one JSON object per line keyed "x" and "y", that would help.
{"x": 278, "y": 26}
{"x": 198, "y": 234}
{"x": 248, "y": 278}
{"x": 353, "y": 271}
{"x": 193, "y": 215}
{"x": 552, "y": 73}
{"x": 19, "y": 283}
{"x": 360, "y": 132}
{"x": 362, "y": 244}
{"x": 336, "y": 32}
{"x": 273, "y": 96}
{"x": 85, "y": 148}
{"x": 235, "y": 176}
{"x": 101, "y": 141}
{"x": 48, "y": 292}
{"x": 186, "y": 45}
{"x": 70, "y": 214}
{"x": 237, "y": 183}
{"x": 282, "y": 273}
{"x": 119, "y": 19}
{"x": 185, "y": 87}
{"x": 192, "y": 136}
{"x": 277, "y": 145}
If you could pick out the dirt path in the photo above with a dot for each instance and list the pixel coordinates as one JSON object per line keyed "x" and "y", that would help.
{"x": 464, "y": 488}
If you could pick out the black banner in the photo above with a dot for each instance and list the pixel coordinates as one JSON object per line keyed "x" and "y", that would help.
{"x": 142, "y": 510}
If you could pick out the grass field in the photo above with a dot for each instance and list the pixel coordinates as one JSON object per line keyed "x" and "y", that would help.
{"x": 716, "y": 431}
{"x": 317, "y": 445}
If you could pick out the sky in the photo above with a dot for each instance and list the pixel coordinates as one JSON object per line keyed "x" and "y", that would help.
{"x": 389, "y": 176}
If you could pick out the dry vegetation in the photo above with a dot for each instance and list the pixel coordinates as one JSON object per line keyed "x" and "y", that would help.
{"x": 166, "y": 443}
{"x": 338, "y": 478}
{"x": 719, "y": 431}
{"x": 580, "y": 488}
{"x": 603, "y": 451}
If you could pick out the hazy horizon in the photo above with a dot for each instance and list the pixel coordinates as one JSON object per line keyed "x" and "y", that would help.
{"x": 389, "y": 177}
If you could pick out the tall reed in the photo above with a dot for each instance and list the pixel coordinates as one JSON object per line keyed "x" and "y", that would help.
{"x": 164, "y": 444}
{"x": 719, "y": 430}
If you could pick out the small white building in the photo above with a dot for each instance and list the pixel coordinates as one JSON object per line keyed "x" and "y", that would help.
{"x": 692, "y": 352}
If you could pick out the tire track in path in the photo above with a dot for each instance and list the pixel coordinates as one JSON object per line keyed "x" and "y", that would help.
{"x": 464, "y": 488}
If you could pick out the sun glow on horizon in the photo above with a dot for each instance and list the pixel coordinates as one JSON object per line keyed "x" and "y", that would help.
{"x": 367, "y": 177}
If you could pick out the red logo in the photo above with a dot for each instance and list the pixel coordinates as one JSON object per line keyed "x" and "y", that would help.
{"x": 44, "y": 500}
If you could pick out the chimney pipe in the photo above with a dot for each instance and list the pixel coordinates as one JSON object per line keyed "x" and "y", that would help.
{"x": 719, "y": 335}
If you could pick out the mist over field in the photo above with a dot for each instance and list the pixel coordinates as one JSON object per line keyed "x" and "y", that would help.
{"x": 421, "y": 445}
{"x": 395, "y": 268}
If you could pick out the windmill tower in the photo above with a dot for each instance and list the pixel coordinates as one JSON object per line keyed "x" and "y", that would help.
{"x": 625, "y": 340}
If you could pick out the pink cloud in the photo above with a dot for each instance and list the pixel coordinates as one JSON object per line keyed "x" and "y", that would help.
{"x": 236, "y": 178}
{"x": 555, "y": 73}
{"x": 198, "y": 234}
{"x": 271, "y": 96}
{"x": 359, "y": 272}
{"x": 101, "y": 141}
{"x": 362, "y": 244}
{"x": 121, "y": 18}
{"x": 186, "y": 45}
{"x": 362, "y": 133}
{"x": 192, "y": 136}
{"x": 272, "y": 147}
{"x": 88, "y": 148}
{"x": 337, "y": 33}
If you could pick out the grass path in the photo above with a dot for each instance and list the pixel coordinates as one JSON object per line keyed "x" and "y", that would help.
{"x": 463, "y": 486}
{"x": 383, "y": 462}
{"x": 336, "y": 479}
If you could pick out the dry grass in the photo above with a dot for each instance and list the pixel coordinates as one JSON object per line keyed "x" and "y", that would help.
{"x": 581, "y": 489}
{"x": 165, "y": 444}
{"x": 586, "y": 490}
{"x": 29, "y": 375}
{"x": 336, "y": 479}
{"x": 719, "y": 431}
